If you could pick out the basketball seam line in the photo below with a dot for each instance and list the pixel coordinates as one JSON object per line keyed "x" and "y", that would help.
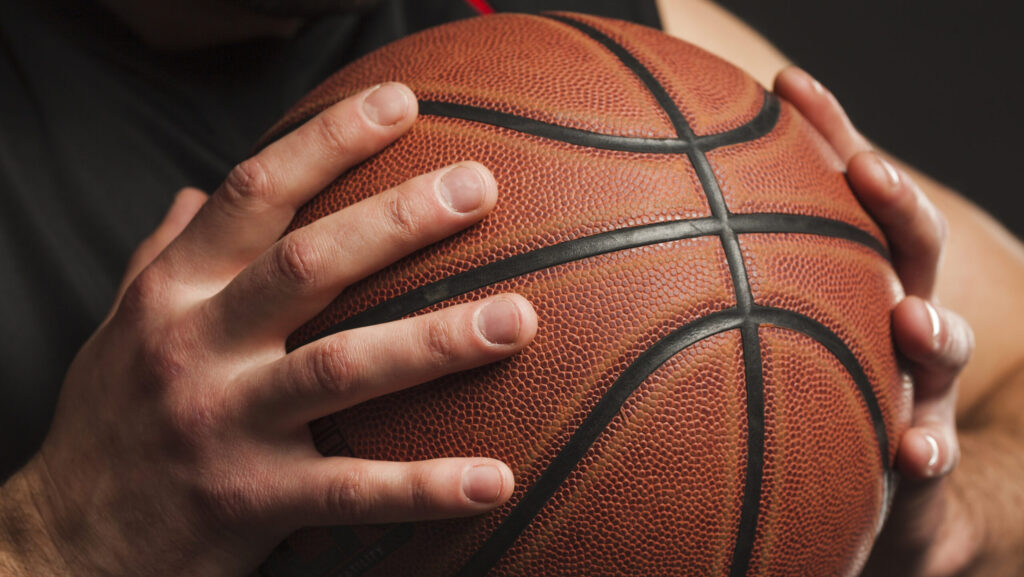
{"x": 688, "y": 144}
{"x": 595, "y": 245}
{"x": 751, "y": 342}
{"x": 609, "y": 406}
{"x": 758, "y": 126}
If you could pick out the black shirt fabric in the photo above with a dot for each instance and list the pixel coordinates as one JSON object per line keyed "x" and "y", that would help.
{"x": 97, "y": 134}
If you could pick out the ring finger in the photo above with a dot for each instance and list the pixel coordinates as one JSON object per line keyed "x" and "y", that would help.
{"x": 345, "y": 369}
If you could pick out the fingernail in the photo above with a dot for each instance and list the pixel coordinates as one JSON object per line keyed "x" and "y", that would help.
{"x": 498, "y": 322}
{"x": 462, "y": 189}
{"x": 889, "y": 171}
{"x": 386, "y": 105}
{"x": 482, "y": 483}
{"x": 817, "y": 86}
{"x": 933, "y": 455}
{"x": 933, "y": 319}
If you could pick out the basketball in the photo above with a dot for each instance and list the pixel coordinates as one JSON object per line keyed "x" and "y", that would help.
{"x": 713, "y": 388}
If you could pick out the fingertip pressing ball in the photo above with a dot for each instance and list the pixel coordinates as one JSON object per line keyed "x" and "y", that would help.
{"x": 712, "y": 389}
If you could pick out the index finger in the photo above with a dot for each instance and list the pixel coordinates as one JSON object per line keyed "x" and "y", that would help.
{"x": 821, "y": 108}
{"x": 258, "y": 199}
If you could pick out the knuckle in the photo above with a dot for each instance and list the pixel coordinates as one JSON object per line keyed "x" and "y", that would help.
{"x": 421, "y": 496}
{"x": 349, "y": 496}
{"x": 296, "y": 261}
{"x": 440, "y": 343}
{"x": 248, "y": 183}
{"x": 147, "y": 291}
{"x": 964, "y": 342}
{"x": 400, "y": 216}
{"x": 957, "y": 345}
{"x": 333, "y": 132}
{"x": 333, "y": 369}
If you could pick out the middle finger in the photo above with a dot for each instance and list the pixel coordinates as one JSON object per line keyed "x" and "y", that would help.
{"x": 303, "y": 272}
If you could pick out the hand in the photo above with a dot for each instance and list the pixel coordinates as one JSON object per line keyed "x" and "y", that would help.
{"x": 180, "y": 445}
{"x": 920, "y": 537}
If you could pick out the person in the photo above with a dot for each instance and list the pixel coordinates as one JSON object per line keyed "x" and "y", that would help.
{"x": 179, "y": 443}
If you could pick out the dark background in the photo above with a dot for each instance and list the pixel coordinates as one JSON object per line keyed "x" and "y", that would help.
{"x": 937, "y": 84}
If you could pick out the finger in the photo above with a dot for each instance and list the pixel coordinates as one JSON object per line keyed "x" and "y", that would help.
{"x": 930, "y": 448}
{"x": 914, "y": 227}
{"x": 345, "y": 369}
{"x": 260, "y": 196}
{"x": 937, "y": 343}
{"x": 306, "y": 270}
{"x": 821, "y": 108}
{"x": 343, "y": 491}
{"x": 928, "y": 452}
{"x": 183, "y": 209}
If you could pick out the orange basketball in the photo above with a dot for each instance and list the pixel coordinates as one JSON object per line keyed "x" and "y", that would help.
{"x": 712, "y": 389}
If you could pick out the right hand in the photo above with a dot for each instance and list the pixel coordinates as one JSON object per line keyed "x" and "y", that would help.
{"x": 180, "y": 444}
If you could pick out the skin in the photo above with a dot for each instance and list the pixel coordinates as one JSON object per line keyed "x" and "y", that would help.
{"x": 199, "y": 451}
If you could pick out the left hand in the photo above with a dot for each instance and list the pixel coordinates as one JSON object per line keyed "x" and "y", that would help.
{"x": 920, "y": 538}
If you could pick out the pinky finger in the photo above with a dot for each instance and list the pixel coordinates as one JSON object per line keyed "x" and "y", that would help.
{"x": 345, "y": 491}
{"x": 928, "y": 452}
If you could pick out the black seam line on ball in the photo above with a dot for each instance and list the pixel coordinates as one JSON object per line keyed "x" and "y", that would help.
{"x": 595, "y": 423}
{"x": 834, "y": 344}
{"x": 761, "y": 124}
{"x": 595, "y": 245}
{"x": 658, "y": 91}
{"x": 605, "y": 410}
{"x": 767, "y": 223}
{"x": 757, "y": 127}
{"x": 750, "y": 508}
{"x": 747, "y": 530}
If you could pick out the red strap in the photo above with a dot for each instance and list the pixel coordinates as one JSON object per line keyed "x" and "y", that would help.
{"x": 481, "y": 6}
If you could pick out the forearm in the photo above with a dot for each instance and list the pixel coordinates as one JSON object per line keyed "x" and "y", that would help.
{"x": 25, "y": 545}
{"x": 988, "y": 486}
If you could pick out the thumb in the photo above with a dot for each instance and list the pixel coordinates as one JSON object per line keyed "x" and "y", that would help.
{"x": 186, "y": 204}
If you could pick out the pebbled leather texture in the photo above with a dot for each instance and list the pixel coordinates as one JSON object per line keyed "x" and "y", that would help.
{"x": 662, "y": 423}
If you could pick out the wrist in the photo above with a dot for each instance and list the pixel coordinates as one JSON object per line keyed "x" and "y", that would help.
{"x": 27, "y": 545}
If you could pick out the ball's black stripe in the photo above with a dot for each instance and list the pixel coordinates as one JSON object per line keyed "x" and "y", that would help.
{"x": 586, "y": 247}
{"x": 554, "y": 131}
{"x": 801, "y": 224}
{"x": 609, "y": 405}
{"x": 830, "y": 340}
{"x": 750, "y": 508}
{"x": 636, "y": 374}
{"x": 747, "y": 529}
{"x": 658, "y": 91}
{"x": 592, "y": 427}
{"x": 758, "y": 126}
